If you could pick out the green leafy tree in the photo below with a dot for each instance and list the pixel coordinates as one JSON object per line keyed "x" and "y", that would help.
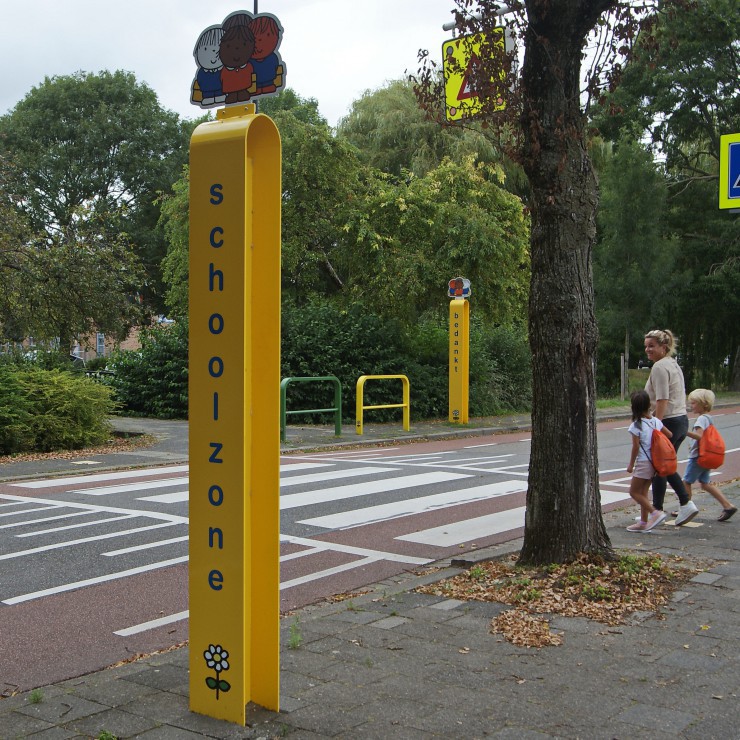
{"x": 414, "y": 234}
{"x": 392, "y": 134}
{"x": 96, "y": 144}
{"x": 82, "y": 279}
{"x": 322, "y": 181}
{"x": 632, "y": 256}
{"x": 680, "y": 92}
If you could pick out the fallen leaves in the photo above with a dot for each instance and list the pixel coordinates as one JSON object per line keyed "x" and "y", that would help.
{"x": 521, "y": 628}
{"x": 605, "y": 591}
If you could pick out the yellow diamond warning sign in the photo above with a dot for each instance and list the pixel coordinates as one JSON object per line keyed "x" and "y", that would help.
{"x": 460, "y": 57}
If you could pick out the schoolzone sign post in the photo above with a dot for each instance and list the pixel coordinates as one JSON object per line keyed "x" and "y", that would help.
{"x": 234, "y": 386}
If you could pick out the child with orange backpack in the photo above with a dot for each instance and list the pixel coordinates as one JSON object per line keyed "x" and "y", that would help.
{"x": 701, "y": 401}
{"x": 641, "y": 464}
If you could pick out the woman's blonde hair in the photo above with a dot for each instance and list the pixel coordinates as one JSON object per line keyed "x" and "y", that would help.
{"x": 664, "y": 337}
{"x": 704, "y": 397}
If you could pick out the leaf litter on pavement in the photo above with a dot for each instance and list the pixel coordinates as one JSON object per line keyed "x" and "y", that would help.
{"x": 606, "y": 591}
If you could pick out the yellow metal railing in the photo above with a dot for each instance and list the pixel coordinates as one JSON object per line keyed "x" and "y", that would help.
{"x": 406, "y": 405}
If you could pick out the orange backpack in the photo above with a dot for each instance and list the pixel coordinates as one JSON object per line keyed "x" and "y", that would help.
{"x": 662, "y": 454}
{"x": 711, "y": 448}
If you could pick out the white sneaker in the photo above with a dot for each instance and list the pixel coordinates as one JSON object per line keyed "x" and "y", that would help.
{"x": 686, "y": 513}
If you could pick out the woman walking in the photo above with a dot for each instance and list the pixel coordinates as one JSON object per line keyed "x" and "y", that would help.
{"x": 667, "y": 392}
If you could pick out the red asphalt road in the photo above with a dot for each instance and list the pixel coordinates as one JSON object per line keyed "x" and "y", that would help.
{"x": 70, "y": 634}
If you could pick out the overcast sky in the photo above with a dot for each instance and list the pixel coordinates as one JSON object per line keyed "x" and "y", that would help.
{"x": 334, "y": 50}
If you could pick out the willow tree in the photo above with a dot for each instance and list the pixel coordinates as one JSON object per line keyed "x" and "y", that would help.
{"x": 543, "y": 126}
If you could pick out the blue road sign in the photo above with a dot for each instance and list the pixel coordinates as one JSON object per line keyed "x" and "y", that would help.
{"x": 729, "y": 171}
{"x": 734, "y": 170}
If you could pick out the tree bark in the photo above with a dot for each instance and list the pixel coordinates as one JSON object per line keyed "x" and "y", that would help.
{"x": 563, "y": 517}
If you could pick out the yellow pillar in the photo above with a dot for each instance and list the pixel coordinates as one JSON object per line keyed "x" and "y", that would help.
{"x": 459, "y": 360}
{"x": 234, "y": 414}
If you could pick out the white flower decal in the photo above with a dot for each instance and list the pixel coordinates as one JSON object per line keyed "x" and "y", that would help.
{"x": 216, "y": 658}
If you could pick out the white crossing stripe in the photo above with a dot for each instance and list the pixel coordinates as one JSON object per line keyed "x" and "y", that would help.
{"x": 468, "y": 530}
{"x": 167, "y": 498}
{"x": 338, "y": 493}
{"x": 129, "y": 487}
{"x": 296, "y": 480}
{"x": 471, "y": 530}
{"x": 408, "y": 507}
{"x": 100, "y": 477}
{"x": 290, "y": 467}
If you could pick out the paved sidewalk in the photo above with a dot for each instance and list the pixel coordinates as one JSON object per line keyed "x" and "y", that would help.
{"x": 392, "y": 663}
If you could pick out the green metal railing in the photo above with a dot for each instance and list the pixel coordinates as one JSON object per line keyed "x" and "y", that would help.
{"x": 336, "y": 409}
{"x": 406, "y": 405}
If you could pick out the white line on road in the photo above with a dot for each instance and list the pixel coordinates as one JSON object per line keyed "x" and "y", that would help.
{"x": 82, "y": 479}
{"x": 79, "y": 525}
{"x": 93, "y": 581}
{"x": 45, "y": 519}
{"x": 297, "y": 480}
{"x": 420, "y": 505}
{"x": 326, "y": 573}
{"x": 146, "y": 546}
{"x": 153, "y": 624}
{"x": 129, "y": 487}
{"x": 69, "y": 543}
{"x": 350, "y": 550}
{"x": 167, "y": 498}
{"x": 29, "y": 511}
{"x": 338, "y": 493}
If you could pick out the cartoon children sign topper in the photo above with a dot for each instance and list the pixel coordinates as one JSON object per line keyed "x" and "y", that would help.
{"x": 238, "y": 60}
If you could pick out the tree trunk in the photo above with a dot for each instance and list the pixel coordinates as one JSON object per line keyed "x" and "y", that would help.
{"x": 563, "y": 515}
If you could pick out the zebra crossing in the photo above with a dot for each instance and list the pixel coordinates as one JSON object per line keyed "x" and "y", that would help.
{"x": 131, "y": 522}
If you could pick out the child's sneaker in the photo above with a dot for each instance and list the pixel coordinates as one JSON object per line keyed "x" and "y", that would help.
{"x": 655, "y": 519}
{"x": 686, "y": 513}
{"x": 638, "y": 527}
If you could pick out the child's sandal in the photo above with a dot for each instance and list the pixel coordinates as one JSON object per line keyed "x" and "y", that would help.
{"x": 726, "y": 514}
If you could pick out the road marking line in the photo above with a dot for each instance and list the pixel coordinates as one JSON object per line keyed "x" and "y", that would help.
{"x": 471, "y": 530}
{"x": 290, "y": 467}
{"x": 296, "y": 480}
{"x": 167, "y": 498}
{"x": 94, "y": 581}
{"x": 410, "y": 507}
{"x": 30, "y": 511}
{"x": 129, "y": 487}
{"x": 77, "y": 479}
{"x": 468, "y": 530}
{"x": 147, "y": 546}
{"x": 350, "y": 550}
{"x": 77, "y": 526}
{"x": 69, "y": 543}
{"x": 153, "y": 624}
{"x": 326, "y": 573}
{"x": 338, "y": 493}
{"x": 45, "y": 519}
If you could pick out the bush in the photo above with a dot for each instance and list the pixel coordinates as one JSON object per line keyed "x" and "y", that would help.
{"x": 45, "y": 410}
{"x": 154, "y": 380}
{"x": 325, "y": 340}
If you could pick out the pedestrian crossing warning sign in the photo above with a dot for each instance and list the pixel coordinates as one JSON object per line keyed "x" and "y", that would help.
{"x": 460, "y": 58}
